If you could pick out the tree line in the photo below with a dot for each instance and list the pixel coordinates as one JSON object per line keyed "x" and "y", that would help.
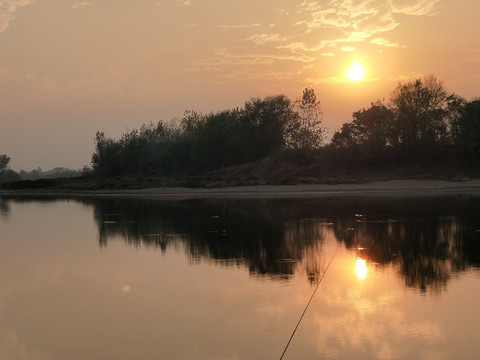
{"x": 420, "y": 120}
{"x": 8, "y": 175}
{"x": 197, "y": 142}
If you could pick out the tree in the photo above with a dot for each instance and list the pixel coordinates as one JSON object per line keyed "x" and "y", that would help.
{"x": 373, "y": 127}
{"x": 107, "y": 156}
{"x": 421, "y": 110}
{"x": 274, "y": 121}
{"x": 468, "y": 130}
{"x": 6, "y": 174}
{"x": 4, "y": 160}
{"x": 345, "y": 138}
{"x": 370, "y": 129}
{"x": 309, "y": 133}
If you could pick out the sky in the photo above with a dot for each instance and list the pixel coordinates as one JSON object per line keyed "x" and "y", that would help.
{"x": 71, "y": 68}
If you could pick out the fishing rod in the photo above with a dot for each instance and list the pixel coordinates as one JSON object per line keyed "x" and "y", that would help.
{"x": 306, "y": 307}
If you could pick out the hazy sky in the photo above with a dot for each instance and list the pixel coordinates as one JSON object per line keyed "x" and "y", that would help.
{"x": 70, "y": 68}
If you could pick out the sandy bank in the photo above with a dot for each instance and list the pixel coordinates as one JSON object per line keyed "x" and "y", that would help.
{"x": 385, "y": 188}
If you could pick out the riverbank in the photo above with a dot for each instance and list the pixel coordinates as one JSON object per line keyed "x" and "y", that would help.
{"x": 377, "y": 188}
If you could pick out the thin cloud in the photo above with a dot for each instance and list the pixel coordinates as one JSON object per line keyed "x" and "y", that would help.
{"x": 353, "y": 38}
{"x": 414, "y": 7}
{"x": 223, "y": 57}
{"x": 262, "y": 39}
{"x": 384, "y": 42}
{"x": 407, "y": 77}
{"x": 268, "y": 76}
{"x": 7, "y": 11}
{"x": 81, "y": 5}
{"x": 311, "y": 30}
{"x": 7, "y": 75}
{"x": 175, "y": 2}
{"x": 239, "y": 26}
{"x": 365, "y": 17}
{"x": 229, "y": 63}
{"x": 301, "y": 46}
{"x": 336, "y": 80}
{"x": 347, "y": 48}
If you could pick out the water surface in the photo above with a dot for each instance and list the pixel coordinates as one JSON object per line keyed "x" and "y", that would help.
{"x": 229, "y": 279}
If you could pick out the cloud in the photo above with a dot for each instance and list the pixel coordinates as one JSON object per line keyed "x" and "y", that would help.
{"x": 347, "y": 48}
{"x": 239, "y": 26}
{"x": 301, "y": 34}
{"x": 384, "y": 42}
{"x": 365, "y": 16}
{"x": 301, "y": 46}
{"x": 407, "y": 77}
{"x": 361, "y": 19}
{"x": 229, "y": 66}
{"x": 80, "y": 5}
{"x": 7, "y": 11}
{"x": 262, "y": 39}
{"x": 414, "y": 7}
{"x": 223, "y": 57}
{"x": 175, "y": 2}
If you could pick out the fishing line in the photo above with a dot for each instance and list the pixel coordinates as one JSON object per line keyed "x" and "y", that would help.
{"x": 308, "y": 304}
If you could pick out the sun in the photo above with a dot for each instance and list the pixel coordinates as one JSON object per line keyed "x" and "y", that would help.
{"x": 356, "y": 71}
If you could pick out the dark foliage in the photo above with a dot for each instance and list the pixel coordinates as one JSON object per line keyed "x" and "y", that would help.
{"x": 422, "y": 124}
{"x": 6, "y": 174}
{"x": 199, "y": 143}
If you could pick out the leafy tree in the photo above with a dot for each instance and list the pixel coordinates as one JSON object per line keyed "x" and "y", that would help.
{"x": 6, "y": 174}
{"x": 273, "y": 120}
{"x": 198, "y": 143}
{"x": 371, "y": 129}
{"x": 345, "y": 138}
{"x": 224, "y": 139}
{"x": 106, "y": 159}
{"x": 421, "y": 109}
{"x": 4, "y": 160}
{"x": 309, "y": 134}
{"x": 468, "y": 130}
{"x": 374, "y": 127}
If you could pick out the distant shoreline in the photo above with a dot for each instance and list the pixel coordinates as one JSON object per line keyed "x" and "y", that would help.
{"x": 391, "y": 188}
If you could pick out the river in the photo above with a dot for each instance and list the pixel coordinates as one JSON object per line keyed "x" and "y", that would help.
{"x": 112, "y": 278}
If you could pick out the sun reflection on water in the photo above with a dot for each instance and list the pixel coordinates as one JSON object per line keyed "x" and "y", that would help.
{"x": 361, "y": 268}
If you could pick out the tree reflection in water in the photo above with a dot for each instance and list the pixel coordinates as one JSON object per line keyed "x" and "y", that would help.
{"x": 4, "y": 207}
{"x": 427, "y": 239}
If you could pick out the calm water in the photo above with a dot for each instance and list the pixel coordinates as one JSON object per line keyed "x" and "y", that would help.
{"x": 223, "y": 279}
